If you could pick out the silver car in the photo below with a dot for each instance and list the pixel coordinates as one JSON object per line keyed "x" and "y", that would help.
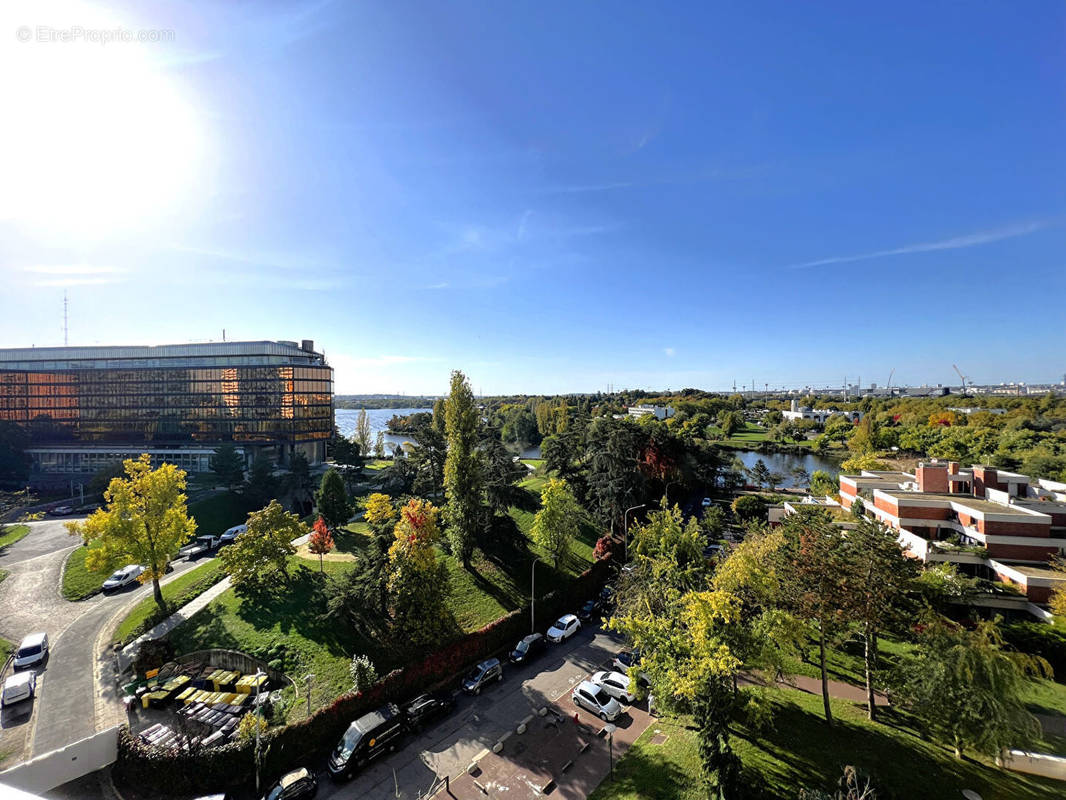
{"x": 593, "y": 698}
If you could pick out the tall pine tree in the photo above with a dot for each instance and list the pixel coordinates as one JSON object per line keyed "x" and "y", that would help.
{"x": 462, "y": 470}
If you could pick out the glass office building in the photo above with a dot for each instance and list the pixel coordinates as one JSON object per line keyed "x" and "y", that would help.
{"x": 86, "y": 407}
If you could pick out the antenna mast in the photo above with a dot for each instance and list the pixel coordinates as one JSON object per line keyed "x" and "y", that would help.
{"x": 65, "y": 340}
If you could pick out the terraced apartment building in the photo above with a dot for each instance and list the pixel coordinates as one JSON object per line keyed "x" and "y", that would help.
{"x": 993, "y": 523}
{"x": 87, "y": 407}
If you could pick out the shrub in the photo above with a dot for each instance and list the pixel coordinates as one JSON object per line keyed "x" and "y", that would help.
{"x": 1039, "y": 639}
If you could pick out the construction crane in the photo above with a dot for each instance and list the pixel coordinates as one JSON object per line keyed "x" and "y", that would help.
{"x": 962, "y": 377}
{"x": 889, "y": 387}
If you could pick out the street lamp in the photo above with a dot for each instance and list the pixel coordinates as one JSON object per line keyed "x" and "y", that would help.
{"x": 625, "y": 527}
{"x": 609, "y": 730}
{"x": 532, "y": 596}
{"x": 259, "y": 674}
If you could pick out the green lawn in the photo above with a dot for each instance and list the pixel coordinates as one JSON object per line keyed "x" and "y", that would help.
{"x": 802, "y": 751}
{"x": 9, "y": 534}
{"x": 176, "y": 593}
{"x": 6, "y": 648}
{"x": 78, "y": 582}
{"x": 498, "y": 583}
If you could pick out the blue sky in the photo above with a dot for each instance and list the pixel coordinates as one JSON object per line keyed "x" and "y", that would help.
{"x": 549, "y": 196}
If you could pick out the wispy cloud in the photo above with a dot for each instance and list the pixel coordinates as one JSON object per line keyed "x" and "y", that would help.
{"x": 954, "y": 243}
{"x": 669, "y": 352}
{"x": 582, "y": 188}
{"x": 73, "y": 274}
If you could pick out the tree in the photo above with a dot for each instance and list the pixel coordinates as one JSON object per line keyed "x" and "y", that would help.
{"x": 858, "y": 463}
{"x": 418, "y": 580}
{"x": 749, "y": 507}
{"x": 14, "y": 460}
{"x": 462, "y": 470}
{"x": 838, "y": 428}
{"x": 759, "y": 473}
{"x": 427, "y": 459}
{"x": 558, "y": 521}
{"x": 345, "y": 451}
{"x": 713, "y": 523}
{"x": 815, "y": 574}
{"x": 379, "y": 445}
{"x": 332, "y": 500}
{"x": 880, "y": 579}
{"x": 261, "y": 554}
{"x": 800, "y": 477}
{"x": 502, "y": 475}
{"x": 822, "y": 483}
{"x": 102, "y": 478}
{"x": 228, "y": 466}
{"x": 363, "y": 673}
{"x": 774, "y": 479}
{"x": 320, "y": 542}
{"x": 261, "y": 486}
{"x": 968, "y": 688}
{"x": 362, "y": 431}
{"x": 379, "y": 510}
{"x": 730, "y": 422}
{"x": 145, "y": 521}
{"x": 299, "y": 479}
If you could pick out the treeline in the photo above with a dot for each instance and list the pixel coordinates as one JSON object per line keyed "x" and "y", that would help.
{"x": 357, "y": 401}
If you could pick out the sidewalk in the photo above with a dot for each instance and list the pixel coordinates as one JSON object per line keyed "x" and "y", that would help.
{"x": 837, "y": 689}
{"x": 554, "y": 755}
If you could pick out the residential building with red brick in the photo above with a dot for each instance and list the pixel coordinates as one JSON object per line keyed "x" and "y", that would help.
{"x": 993, "y": 523}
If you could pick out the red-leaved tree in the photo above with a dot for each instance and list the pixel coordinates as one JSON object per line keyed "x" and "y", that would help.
{"x": 321, "y": 541}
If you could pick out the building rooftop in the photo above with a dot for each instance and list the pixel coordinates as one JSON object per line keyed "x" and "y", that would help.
{"x": 976, "y": 503}
{"x": 42, "y": 358}
{"x": 1034, "y": 570}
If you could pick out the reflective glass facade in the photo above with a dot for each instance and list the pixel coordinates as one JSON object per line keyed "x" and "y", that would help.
{"x": 242, "y": 392}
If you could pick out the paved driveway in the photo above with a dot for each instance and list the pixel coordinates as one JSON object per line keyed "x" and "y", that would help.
{"x": 76, "y": 689}
{"x": 449, "y": 745}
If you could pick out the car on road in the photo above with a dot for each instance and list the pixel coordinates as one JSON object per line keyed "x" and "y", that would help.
{"x": 296, "y": 785}
{"x": 624, "y": 660}
{"x": 595, "y": 698}
{"x": 616, "y": 684}
{"x": 591, "y": 610}
{"x": 122, "y": 577}
{"x": 32, "y": 651}
{"x": 20, "y": 686}
{"x": 427, "y": 707}
{"x": 529, "y": 648}
{"x": 229, "y": 536}
{"x": 564, "y": 627}
{"x": 366, "y": 739}
{"x": 706, "y": 502}
{"x": 200, "y": 546}
{"x": 60, "y": 511}
{"x": 481, "y": 675}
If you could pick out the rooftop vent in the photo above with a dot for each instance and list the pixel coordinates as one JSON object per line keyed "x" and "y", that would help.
{"x": 308, "y": 345}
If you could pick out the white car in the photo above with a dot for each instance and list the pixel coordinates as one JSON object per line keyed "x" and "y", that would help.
{"x": 32, "y": 651}
{"x": 564, "y": 627}
{"x": 706, "y": 502}
{"x": 595, "y": 699}
{"x": 616, "y": 684}
{"x": 20, "y": 686}
{"x": 123, "y": 577}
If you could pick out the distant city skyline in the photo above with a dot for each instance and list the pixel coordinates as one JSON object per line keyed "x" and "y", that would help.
{"x": 546, "y": 196}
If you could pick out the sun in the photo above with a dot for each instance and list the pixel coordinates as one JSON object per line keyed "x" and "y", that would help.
{"x": 97, "y": 138}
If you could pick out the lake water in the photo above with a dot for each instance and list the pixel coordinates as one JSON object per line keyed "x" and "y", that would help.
{"x": 784, "y": 463}
{"x": 346, "y": 419}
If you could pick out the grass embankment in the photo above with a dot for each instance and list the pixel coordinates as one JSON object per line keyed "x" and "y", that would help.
{"x": 3, "y": 574}
{"x": 6, "y": 648}
{"x": 78, "y": 582}
{"x": 176, "y": 593}
{"x": 802, "y": 751}
{"x": 288, "y": 625}
{"x": 9, "y": 534}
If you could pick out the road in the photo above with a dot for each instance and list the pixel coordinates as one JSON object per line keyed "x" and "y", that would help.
{"x": 449, "y": 745}
{"x": 76, "y": 690}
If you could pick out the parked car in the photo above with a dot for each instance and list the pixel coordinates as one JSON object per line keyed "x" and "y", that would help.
{"x": 32, "y": 651}
{"x": 229, "y": 536}
{"x": 616, "y": 684}
{"x": 20, "y": 686}
{"x": 60, "y": 511}
{"x": 564, "y": 627}
{"x": 591, "y": 610}
{"x": 706, "y": 502}
{"x": 122, "y": 577}
{"x": 366, "y": 739}
{"x": 427, "y": 707}
{"x": 529, "y": 648}
{"x": 595, "y": 699}
{"x": 624, "y": 660}
{"x": 296, "y": 785}
{"x": 200, "y": 546}
{"x": 481, "y": 675}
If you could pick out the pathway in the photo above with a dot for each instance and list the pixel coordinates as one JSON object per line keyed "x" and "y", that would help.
{"x": 837, "y": 689}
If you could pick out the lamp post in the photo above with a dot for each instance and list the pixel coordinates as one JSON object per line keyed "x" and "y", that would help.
{"x": 532, "y": 596}
{"x": 258, "y": 717}
{"x": 625, "y": 528}
{"x": 609, "y": 730}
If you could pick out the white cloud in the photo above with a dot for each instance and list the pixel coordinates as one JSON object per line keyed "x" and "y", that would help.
{"x": 954, "y": 243}
{"x": 71, "y": 269}
{"x": 669, "y": 351}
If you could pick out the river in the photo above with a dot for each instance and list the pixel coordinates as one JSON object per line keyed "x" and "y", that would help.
{"x": 784, "y": 463}
{"x": 346, "y": 419}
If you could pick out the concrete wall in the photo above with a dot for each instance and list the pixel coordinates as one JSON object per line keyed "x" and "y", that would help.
{"x": 1037, "y": 764}
{"x": 46, "y": 772}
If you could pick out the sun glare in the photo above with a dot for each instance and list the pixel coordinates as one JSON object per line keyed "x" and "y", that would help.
{"x": 97, "y": 137}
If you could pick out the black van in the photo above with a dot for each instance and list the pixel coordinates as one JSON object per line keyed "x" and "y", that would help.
{"x": 368, "y": 737}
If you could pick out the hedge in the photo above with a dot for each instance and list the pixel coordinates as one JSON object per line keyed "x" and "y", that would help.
{"x": 155, "y": 770}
